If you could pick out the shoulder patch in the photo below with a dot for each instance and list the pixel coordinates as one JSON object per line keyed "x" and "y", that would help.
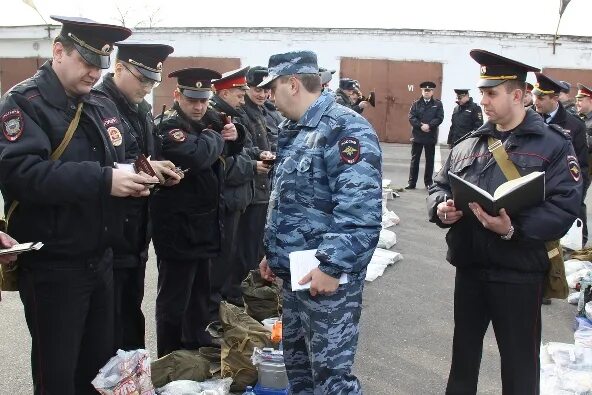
{"x": 574, "y": 167}
{"x": 12, "y": 124}
{"x": 115, "y": 136}
{"x": 177, "y": 135}
{"x": 349, "y": 150}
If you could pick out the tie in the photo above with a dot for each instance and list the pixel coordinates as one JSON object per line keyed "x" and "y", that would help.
{"x": 547, "y": 118}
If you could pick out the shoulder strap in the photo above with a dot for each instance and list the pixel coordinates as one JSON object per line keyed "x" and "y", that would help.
{"x": 55, "y": 154}
{"x": 511, "y": 172}
{"x": 496, "y": 147}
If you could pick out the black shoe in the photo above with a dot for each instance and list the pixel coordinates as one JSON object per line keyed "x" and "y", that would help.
{"x": 409, "y": 186}
{"x": 546, "y": 301}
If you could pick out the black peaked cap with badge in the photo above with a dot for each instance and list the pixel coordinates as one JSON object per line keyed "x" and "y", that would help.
{"x": 255, "y": 75}
{"x": 427, "y": 85}
{"x": 462, "y": 91}
{"x": 232, "y": 79}
{"x": 195, "y": 82}
{"x": 93, "y": 40}
{"x": 496, "y": 69}
{"x": 146, "y": 57}
{"x": 546, "y": 85}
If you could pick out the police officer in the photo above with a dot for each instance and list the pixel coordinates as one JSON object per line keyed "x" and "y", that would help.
{"x": 501, "y": 260}
{"x": 326, "y": 196}
{"x": 226, "y": 270}
{"x": 346, "y": 95}
{"x": 528, "y": 100}
{"x": 466, "y": 116}
{"x": 252, "y": 222}
{"x": 187, "y": 218}
{"x": 137, "y": 71}
{"x": 568, "y": 103}
{"x": 546, "y": 100}
{"x": 326, "y": 77}
{"x": 64, "y": 197}
{"x": 584, "y": 107}
{"x": 425, "y": 115}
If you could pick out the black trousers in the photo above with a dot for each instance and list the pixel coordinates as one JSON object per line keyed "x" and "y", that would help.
{"x": 69, "y": 312}
{"x": 182, "y": 305}
{"x": 130, "y": 324}
{"x": 222, "y": 268}
{"x": 515, "y": 313}
{"x": 250, "y": 241}
{"x": 416, "y": 149}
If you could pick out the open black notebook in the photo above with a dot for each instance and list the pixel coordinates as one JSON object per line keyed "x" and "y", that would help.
{"x": 514, "y": 195}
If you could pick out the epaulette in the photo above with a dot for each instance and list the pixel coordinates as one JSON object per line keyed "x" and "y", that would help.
{"x": 24, "y": 86}
{"x": 560, "y": 130}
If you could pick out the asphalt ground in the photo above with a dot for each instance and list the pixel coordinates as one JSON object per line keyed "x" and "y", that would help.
{"x": 407, "y": 320}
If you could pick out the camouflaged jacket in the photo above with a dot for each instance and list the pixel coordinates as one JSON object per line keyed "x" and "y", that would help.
{"x": 326, "y": 191}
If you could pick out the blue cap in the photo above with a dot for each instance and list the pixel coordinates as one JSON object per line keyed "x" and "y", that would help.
{"x": 298, "y": 62}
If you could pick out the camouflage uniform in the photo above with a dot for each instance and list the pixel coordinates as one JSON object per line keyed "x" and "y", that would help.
{"x": 326, "y": 195}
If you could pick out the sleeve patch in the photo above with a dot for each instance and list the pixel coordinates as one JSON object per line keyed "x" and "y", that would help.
{"x": 177, "y": 135}
{"x": 349, "y": 150}
{"x": 574, "y": 167}
{"x": 12, "y": 124}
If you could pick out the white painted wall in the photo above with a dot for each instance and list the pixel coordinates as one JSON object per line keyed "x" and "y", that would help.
{"x": 254, "y": 46}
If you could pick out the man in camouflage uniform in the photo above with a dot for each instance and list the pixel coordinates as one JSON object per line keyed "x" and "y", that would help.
{"x": 326, "y": 196}
{"x": 584, "y": 107}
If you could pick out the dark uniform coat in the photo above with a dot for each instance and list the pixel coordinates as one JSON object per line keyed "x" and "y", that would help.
{"x": 186, "y": 218}
{"x": 432, "y": 113}
{"x": 532, "y": 146}
{"x": 465, "y": 118}
{"x": 67, "y": 203}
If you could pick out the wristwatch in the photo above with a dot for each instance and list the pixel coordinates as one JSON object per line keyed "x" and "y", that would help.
{"x": 510, "y": 233}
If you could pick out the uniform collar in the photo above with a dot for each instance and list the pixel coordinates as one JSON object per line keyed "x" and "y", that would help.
{"x": 52, "y": 90}
{"x": 313, "y": 114}
{"x": 50, "y": 87}
{"x": 532, "y": 123}
{"x": 108, "y": 86}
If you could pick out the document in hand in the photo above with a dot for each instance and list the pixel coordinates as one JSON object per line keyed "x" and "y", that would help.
{"x": 301, "y": 263}
{"x": 19, "y": 248}
{"x": 514, "y": 195}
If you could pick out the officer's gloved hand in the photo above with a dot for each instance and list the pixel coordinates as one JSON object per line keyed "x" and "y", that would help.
{"x": 125, "y": 183}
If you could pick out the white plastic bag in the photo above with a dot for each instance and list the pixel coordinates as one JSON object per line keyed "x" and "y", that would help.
{"x": 380, "y": 261}
{"x": 387, "y": 239}
{"x": 389, "y": 218}
{"x": 573, "y": 238}
{"x": 573, "y": 298}
{"x": 574, "y": 278}
{"x": 188, "y": 387}
{"x": 573, "y": 265}
{"x": 128, "y": 372}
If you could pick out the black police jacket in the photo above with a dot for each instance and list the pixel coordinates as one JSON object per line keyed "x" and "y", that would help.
{"x": 465, "y": 119}
{"x": 258, "y": 130}
{"x": 240, "y": 170}
{"x": 273, "y": 118}
{"x": 532, "y": 146}
{"x": 132, "y": 249}
{"x": 187, "y": 217}
{"x": 577, "y": 130}
{"x": 431, "y": 113}
{"x": 66, "y": 203}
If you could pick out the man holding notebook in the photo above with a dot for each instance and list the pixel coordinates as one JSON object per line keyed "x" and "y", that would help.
{"x": 326, "y": 197}
{"x": 501, "y": 259}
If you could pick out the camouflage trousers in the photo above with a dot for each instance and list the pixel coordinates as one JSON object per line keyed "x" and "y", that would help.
{"x": 320, "y": 336}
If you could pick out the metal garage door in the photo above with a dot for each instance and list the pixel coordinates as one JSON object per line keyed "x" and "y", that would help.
{"x": 396, "y": 84}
